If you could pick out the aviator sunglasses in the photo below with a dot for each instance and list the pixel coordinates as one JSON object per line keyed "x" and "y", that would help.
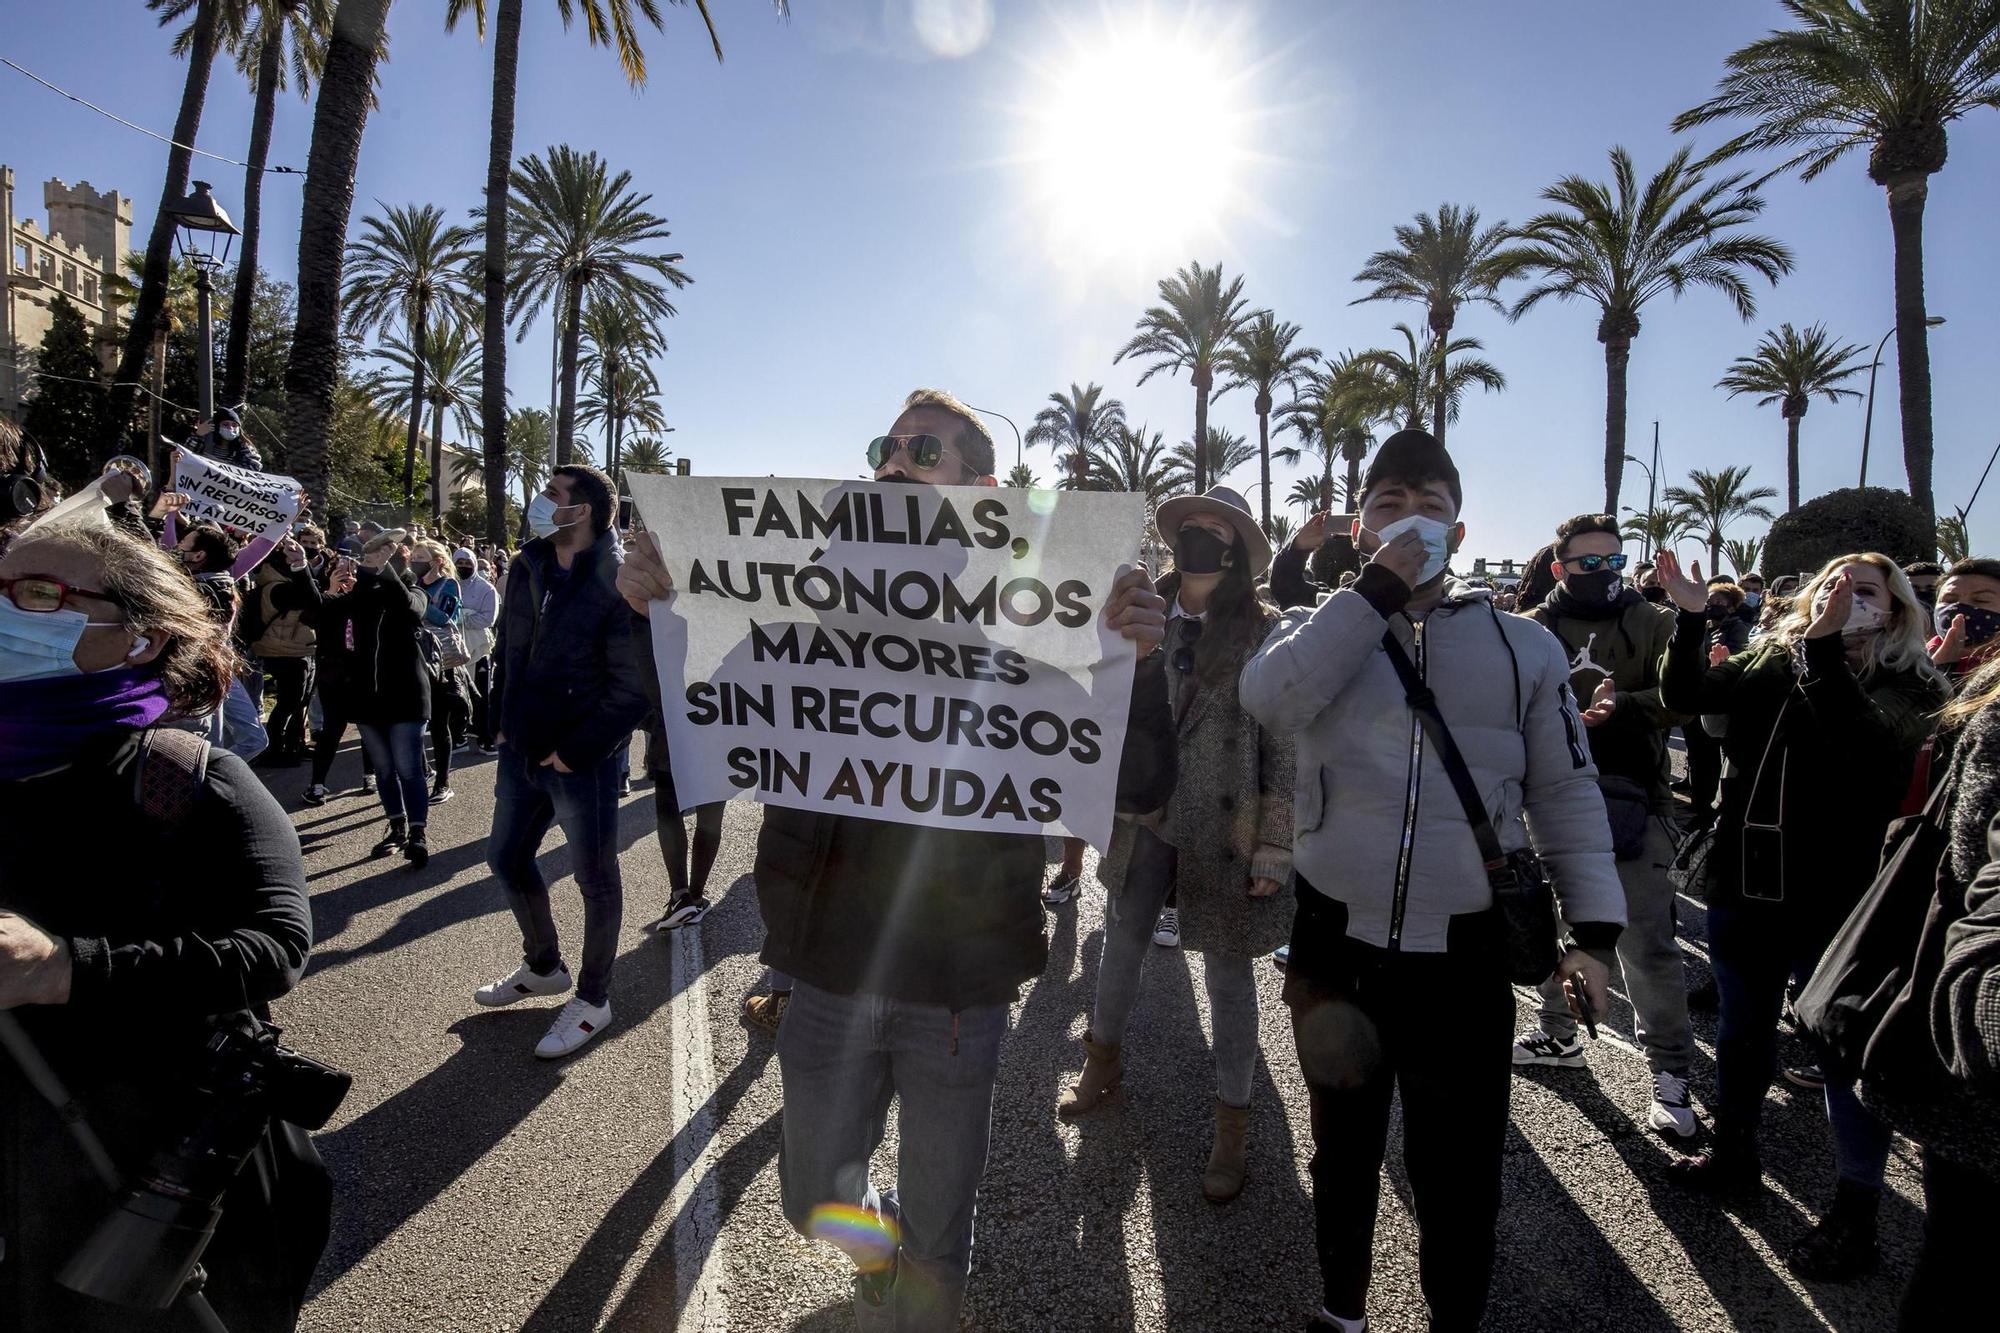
{"x": 1590, "y": 564}
{"x": 925, "y": 451}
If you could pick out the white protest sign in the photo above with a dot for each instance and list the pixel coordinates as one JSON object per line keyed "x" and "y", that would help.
{"x": 924, "y": 655}
{"x": 261, "y": 504}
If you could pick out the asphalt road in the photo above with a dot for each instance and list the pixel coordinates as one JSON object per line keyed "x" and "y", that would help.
{"x": 635, "y": 1185}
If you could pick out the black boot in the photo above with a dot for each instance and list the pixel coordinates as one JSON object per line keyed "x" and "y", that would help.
{"x": 1728, "y": 1169}
{"x": 416, "y": 850}
{"x": 395, "y": 839}
{"x": 1841, "y": 1244}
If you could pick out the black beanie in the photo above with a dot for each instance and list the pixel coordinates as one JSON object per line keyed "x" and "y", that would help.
{"x": 1413, "y": 456}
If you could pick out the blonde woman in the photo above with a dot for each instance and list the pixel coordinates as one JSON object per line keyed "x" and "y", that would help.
{"x": 1826, "y": 713}
{"x": 430, "y": 565}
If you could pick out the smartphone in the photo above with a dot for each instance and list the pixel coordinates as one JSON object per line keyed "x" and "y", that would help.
{"x": 1583, "y": 1005}
{"x": 1763, "y": 863}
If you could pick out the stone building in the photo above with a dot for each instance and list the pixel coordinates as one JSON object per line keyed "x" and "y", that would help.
{"x": 88, "y": 233}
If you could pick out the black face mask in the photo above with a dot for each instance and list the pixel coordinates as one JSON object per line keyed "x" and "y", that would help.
{"x": 465, "y": 571}
{"x": 1718, "y": 612}
{"x": 1199, "y": 551}
{"x": 1594, "y": 589}
{"x": 1654, "y": 593}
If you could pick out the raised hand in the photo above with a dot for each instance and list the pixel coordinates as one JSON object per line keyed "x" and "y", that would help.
{"x": 1312, "y": 533}
{"x": 1603, "y": 702}
{"x": 643, "y": 578}
{"x": 1687, "y": 591}
{"x": 1831, "y": 618}
{"x": 1404, "y": 557}
{"x": 1952, "y": 647}
{"x": 1718, "y": 654}
{"x": 1135, "y": 610}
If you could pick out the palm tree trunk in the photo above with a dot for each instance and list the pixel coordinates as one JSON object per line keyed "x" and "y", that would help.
{"x": 1441, "y": 322}
{"x": 493, "y": 357}
{"x": 146, "y": 311}
{"x": 1326, "y": 486}
{"x": 1791, "y": 465}
{"x": 1264, "y": 454}
{"x": 1353, "y": 480}
{"x": 617, "y": 441}
{"x": 1907, "y": 194}
{"x": 437, "y": 468}
{"x": 419, "y": 336}
{"x": 1202, "y": 380}
{"x": 1617, "y": 359}
{"x": 340, "y": 114}
{"x": 571, "y": 344}
{"x": 236, "y": 355}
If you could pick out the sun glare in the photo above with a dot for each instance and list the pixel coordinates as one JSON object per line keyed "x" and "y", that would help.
{"x": 1139, "y": 135}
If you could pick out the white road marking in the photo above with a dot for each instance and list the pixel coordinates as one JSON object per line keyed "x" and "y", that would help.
{"x": 698, "y": 1270}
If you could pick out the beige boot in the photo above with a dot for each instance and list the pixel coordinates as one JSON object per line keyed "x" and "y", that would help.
{"x": 1102, "y": 1072}
{"x": 1223, "y": 1180}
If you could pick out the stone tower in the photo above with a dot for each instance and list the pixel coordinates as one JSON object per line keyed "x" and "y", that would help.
{"x": 99, "y": 222}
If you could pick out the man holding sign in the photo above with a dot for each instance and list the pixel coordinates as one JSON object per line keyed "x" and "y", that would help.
{"x": 910, "y": 928}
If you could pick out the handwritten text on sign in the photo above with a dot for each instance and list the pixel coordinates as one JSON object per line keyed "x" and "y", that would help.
{"x": 925, "y": 655}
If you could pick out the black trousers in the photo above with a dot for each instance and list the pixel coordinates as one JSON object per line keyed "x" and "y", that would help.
{"x": 293, "y": 679}
{"x": 1704, "y": 766}
{"x": 1435, "y": 1026}
{"x": 688, "y": 863}
{"x": 333, "y": 729}
{"x": 481, "y": 674}
{"x": 1959, "y": 1204}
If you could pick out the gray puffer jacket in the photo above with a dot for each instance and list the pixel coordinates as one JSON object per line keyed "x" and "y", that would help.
{"x": 1502, "y": 684}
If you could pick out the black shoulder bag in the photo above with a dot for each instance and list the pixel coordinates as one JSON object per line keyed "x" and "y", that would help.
{"x": 1521, "y": 891}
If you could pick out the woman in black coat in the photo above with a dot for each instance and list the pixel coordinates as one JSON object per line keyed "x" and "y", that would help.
{"x": 376, "y": 616}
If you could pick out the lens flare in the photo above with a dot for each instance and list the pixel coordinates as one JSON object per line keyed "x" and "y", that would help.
{"x": 867, "y": 1238}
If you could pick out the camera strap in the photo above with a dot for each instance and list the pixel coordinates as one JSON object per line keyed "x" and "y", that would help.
{"x": 1423, "y": 702}
{"x": 44, "y": 1080}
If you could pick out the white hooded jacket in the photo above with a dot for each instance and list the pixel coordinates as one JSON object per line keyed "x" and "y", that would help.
{"x": 1502, "y": 685}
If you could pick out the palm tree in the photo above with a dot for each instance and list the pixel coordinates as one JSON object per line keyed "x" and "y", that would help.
{"x": 340, "y": 114}
{"x": 1074, "y": 424}
{"x": 1261, "y": 356}
{"x": 530, "y": 438}
{"x": 448, "y": 368}
{"x": 646, "y": 454}
{"x": 1953, "y": 542}
{"x": 407, "y": 267}
{"x": 1424, "y": 382}
{"x": 1308, "y": 494}
{"x": 198, "y": 42}
{"x": 1717, "y": 499}
{"x": 283, "y": 47}
{"x": 630, "y": 397}
{"x": 1743, "y": 555}
{"x": 1660, "y": 529}
{"x": 1023, "y": 477}
{"x": 1131, "y": 460}
{"x": 620, "y": 342}
{"x": 1190, "y": 330}
{"x": 1620, "y": 246}
{"x": 1333, "y": 416}
{"x": 606, "y": 23}
{"x": 578, "y": 231}
{"x": 1888, "y": 74}
{"x": 1223, "y": 452}
{"x": 1280, "y": 530}
{"x": 1788, "y": 368}
{"x": 1443, "y": 264}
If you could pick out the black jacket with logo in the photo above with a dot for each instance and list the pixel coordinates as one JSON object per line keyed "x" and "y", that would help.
{"x": 567, "y": 675}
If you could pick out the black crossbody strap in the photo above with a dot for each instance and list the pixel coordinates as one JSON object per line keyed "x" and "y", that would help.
{"x": 1424, "y": 704}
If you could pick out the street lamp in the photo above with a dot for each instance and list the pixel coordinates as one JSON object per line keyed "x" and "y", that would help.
{"x": 1868, "y": 422}
{"x": 204, "y": 234}
{"x": 987, "y": 411}
{"x": 1652, "y": 486}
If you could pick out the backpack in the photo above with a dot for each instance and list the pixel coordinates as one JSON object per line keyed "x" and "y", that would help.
{"x": 283, "y": 633}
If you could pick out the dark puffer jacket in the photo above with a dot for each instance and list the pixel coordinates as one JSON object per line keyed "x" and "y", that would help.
{"x": 368, "y": 652}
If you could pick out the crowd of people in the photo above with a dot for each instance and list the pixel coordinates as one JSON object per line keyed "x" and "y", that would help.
{"x": 1412, "y": 792}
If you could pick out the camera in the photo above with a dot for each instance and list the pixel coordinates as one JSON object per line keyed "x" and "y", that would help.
{"x": 148, "y": 1246}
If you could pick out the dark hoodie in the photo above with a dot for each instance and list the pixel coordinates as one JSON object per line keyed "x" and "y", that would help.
{"x": 1624, "y": 638}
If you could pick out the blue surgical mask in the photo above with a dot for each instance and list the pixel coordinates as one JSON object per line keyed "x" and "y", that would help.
{"x": 542, "y": 517}
{"x": 1436, "y": 537}
{"x": 35, "y": 644}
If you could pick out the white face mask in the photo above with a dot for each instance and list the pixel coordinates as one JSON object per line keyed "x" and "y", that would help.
{"x": 542, "y": 517}
{"x": 1863, "y": 616}
{"x": 1436, "y": 537}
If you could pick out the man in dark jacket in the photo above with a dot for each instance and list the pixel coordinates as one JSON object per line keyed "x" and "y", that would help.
{"x": 567, "y": 689}
{"x": 908, "y": 944}
{"x": 1614, "y": 639}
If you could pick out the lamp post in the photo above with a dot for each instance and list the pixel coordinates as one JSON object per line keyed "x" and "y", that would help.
{"x": 204, "y": 234}
{"x": 1868, "y": 421}
{"x": 987, "y": 411}
{"x": 1652, "y": 486}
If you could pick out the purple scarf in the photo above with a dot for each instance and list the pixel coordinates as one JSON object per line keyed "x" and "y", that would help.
{"x": 47, "y": 722}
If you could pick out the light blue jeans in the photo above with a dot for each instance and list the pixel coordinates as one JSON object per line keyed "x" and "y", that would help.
{"x": 842, "y": 1058}
{"x": 237, "y": 726}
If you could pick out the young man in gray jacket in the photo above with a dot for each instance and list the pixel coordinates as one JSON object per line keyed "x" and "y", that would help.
{"x": 1397, "y": 977}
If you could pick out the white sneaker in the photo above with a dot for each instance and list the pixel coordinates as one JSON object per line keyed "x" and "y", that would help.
{"x": 578, "y": 1022}
{"x": 523, "y": 984}
{"x": 1167, "y": 934}
{"x": 1671, "y": 1112}
{"x": 1539, "y": 1048}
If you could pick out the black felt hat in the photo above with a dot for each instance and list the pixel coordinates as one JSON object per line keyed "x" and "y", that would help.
{"x": 1413, "y": 455}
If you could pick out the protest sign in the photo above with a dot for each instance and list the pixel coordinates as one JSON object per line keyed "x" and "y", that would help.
{"x": 259, "y": 504}
{"x": 924, "y": 655}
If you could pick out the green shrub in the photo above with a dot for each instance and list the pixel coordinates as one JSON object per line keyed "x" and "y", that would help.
{"x": 1842, "y": 522}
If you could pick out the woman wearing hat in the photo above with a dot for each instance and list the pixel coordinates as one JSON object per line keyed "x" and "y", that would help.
{"x": 1224, "y": 841}
{"x": 222, "y": 439}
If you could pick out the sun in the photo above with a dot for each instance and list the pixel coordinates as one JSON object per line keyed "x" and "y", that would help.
{"x": 1139, "y": 137}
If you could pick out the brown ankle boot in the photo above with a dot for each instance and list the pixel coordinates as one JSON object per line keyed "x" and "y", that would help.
{"x": 1223, "y": 1180}
{"x": 1102, "y": 1072}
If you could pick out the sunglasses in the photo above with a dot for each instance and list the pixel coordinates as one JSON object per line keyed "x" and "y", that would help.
{"x": 1590, "y": 564}
{"x": 1190, "y": 631}
{"x": 34, "y": 592}
{"x": 925, "y": 451}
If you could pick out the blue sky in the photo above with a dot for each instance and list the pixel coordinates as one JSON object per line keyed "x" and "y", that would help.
{"x": 880, "y": 194}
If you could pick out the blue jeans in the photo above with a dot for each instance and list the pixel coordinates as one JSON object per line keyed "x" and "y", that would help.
{"x": 397, "y": 751}
{"x": 237, "y": 726}
{"x": 1755, "y": 957}
{"x": 1860, "y": 1141}
{"x": 527, "y": 798}
{"x": 842, "y": 1058}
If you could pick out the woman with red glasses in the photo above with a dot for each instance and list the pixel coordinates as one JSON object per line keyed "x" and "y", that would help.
{"x": 151, "y": 884}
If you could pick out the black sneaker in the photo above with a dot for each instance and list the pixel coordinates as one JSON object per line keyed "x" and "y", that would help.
{"x": 1722, "y": 1172}
{"x": 686, "y": 910}
{"x": 1063, "y": 888}
{"x": 416, "y": 851}
{"x": 439, "y": 795}
{"x": 1810, "y": 1077}
{"x": 314, "y": 795}
{"x": 391, "y": 843}
{"x": 367, "y": 784}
